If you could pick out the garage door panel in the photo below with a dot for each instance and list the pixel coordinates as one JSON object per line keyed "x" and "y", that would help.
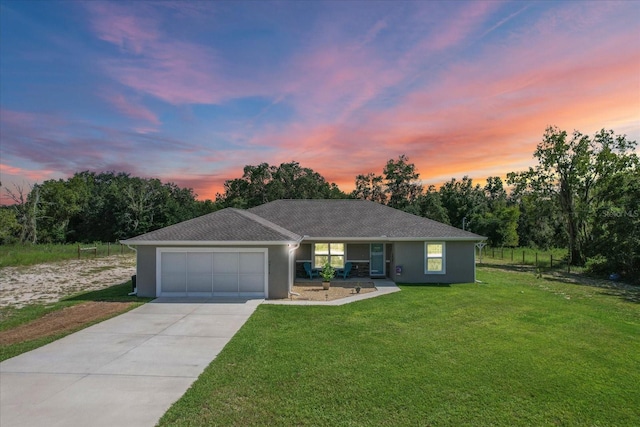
{"x": 199, "y": 282}
{"x": 251, "y": 263}
{"x": 174, "y": 272}
{"x": 251, "y": 283}
{"x": 225, "y": 263}
{"x": 200, "y": 270}
{"x": 225, "y": 282}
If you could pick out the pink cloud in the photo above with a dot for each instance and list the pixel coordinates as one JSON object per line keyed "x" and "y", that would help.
{"x": 115, "y": 24}
{"x": 131, "y": 108}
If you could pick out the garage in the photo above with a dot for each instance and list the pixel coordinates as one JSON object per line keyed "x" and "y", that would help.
{"x": 212, "y": 272}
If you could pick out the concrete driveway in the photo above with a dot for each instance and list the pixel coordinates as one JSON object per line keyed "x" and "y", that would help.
{"x": 125, "y": 371}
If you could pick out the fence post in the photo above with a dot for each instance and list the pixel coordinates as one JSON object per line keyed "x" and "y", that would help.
{"x": 108, "y": 248}
{"x": 493, "y": 252}
{"x": 551, "y": 260}
{"x": 78, "y": 251}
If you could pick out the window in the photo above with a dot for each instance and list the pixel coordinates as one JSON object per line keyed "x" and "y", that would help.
{"x": 332, "y": 253}
{"x": 434, "y": 260}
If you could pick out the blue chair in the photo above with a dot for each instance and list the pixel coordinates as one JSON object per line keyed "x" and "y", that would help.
{"x": 344, "y": 272}
{"x": 309, "y": 270}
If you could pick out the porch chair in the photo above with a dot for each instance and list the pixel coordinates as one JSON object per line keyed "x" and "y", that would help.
{"x": 344, "y": 272}
{"x": 309, "y": 270}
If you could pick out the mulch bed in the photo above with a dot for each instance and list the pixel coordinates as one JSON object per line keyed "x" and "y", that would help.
{"x": 67, "y": 319}
{"x": 337, "y": 290}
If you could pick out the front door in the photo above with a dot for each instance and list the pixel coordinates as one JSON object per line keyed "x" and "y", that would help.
{"x": 376, "y": 260}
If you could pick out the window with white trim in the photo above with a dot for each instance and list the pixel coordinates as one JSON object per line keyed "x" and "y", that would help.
{"x": 434, "y": 262}
{"x": 332, "y": 253}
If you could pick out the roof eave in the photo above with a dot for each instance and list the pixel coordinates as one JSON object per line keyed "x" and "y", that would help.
{"x": 132, "y": 242}
{"x": 393, "y": 239}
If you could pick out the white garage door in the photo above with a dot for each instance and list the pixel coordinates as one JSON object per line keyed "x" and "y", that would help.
{"x": 211, "y": 272}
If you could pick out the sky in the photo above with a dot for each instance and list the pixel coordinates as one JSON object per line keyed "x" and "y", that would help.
{"x": 191, "y": 92}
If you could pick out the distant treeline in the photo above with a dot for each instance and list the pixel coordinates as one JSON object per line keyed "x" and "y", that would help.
{"x": 582, "y": 195}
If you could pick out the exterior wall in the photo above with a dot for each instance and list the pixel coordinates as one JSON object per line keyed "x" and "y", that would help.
{"x": 146, "y": 271}
{"x": 459, "y": 263}
{"x": 358, "y": 251}
{"x": 278, "y": 272}
{"x": 303, "y": 253}
{"x": 278, "y": 281}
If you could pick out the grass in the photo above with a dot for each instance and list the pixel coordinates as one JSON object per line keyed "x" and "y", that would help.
{"x": 23, "y": 255}
{"x": 528, "y": 256}
{"x": 514, "y": 350}
{"x": 11, "y": 317}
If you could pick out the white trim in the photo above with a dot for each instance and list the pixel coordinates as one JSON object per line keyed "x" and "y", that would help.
{"x": 444, "y": 257}
{"x": 159, "y": 251}
{"x": 385, "y": 239}
{"x": 178, "y": 243}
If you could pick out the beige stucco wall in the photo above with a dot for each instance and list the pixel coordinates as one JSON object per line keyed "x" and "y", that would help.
{"x": 278, "y": 281}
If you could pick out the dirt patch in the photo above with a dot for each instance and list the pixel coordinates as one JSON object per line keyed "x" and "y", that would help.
{"x": 44, "y": 283}
{"x": 64, "y": 320}
{"x": 314, "y": 291}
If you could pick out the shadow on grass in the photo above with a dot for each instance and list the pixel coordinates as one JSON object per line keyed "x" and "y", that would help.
{"x": 116, "y": 293}
{"x": 426, "y": 285}
{"x": 624, "y": 291}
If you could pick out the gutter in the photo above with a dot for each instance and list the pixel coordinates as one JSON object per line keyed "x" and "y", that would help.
{"x": 292, "y": 249}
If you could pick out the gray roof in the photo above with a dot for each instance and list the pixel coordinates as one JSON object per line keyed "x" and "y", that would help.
{"x": 226, "y": 225}
{"x": 292, "y": 220}
{"x": 355, "y": 219}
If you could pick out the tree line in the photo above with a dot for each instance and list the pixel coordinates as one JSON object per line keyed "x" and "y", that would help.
{"x": 581, "y": 194}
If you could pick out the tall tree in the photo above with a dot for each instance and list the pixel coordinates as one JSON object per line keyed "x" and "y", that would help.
{"x": 263, "y": 183}
{"x": 28, "y": 211}
{"x": 429, "y": 205}
{"x": 465, "y": 203}
{"x": 370, "y": 187}
{"x": 401, "y": 181}
{"x": 570, "y": 169}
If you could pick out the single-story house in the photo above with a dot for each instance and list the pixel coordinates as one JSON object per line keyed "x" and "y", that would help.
{"x": 259, "y": 252}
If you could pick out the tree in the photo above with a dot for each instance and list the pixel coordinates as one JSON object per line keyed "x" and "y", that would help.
{"x": 263, "y": 183}
{"x": 571, "y": 169}
{"x": 429, "y": 205}
{"x": 401, "y": 181}
{"x": 9, "y": 227}
{"x": 369, "y": 187}
{"x": 464, "y": 202}
{"x": 28, "y": 212}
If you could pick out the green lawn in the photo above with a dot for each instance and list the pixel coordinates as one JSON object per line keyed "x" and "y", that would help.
{"x": 514, "y": 350}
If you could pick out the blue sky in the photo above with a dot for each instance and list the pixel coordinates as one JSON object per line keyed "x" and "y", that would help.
{"x": 191, "y": 92}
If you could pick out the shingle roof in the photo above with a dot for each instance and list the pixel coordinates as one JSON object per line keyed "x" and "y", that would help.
{"x": 289, "y": 220}
{"x": 226, "y": 225}
{"x": 354, "y": 219}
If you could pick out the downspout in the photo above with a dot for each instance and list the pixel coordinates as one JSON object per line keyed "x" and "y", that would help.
{"x": 135, "y": 288}
{"x": 292, "y": 249}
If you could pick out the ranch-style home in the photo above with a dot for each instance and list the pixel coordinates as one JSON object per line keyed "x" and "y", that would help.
{"x": 259, "y": 252}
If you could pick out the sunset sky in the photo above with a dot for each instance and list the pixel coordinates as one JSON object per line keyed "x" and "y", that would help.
{"x": 191, "y": 92}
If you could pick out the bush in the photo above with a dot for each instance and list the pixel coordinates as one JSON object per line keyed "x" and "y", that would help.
{"x": 599, "y": 265}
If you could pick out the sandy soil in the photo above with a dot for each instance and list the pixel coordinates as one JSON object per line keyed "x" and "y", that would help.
{"x": 64, "y": 320}
{"x": 314, "y": 291}
{"x": 45, "y": 283}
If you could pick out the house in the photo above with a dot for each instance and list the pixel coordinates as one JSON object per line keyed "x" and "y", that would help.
{"x": 258, "y": 252}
